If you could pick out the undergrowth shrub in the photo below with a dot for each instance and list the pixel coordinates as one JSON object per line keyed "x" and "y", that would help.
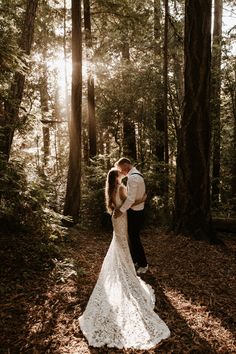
{"x": 93, "y": 209}
{"x": 28, "y": 228}
{"x": 22, "y": 201}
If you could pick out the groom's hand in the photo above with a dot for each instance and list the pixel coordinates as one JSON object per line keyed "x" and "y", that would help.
{"x": 117, "y": 213}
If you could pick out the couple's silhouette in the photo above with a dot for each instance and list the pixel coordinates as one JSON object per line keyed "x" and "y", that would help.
{"x": 120, "y": 311}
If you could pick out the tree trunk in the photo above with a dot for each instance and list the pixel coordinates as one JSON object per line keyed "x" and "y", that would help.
{"x": 43, "y": 89}
{"x": 58, "y": 132}
{"x": 129, "y": 144}
{"x": 233, "y": 171}
{"x": 73, "y": 191}
{"x": 90, "y": 82}
{"x": 233, "y": 168}
{"x": 165, "y": 73}
{"x": 215, "y": 100}
{"x": 192, "y": 199}
{"x": 9, "y": 119}
{"x": 85, "y": 146}
{"x": 178, "y": 80}
{"x": 165, "y": 109}
{"x": 65, "y": 63}
{"x": 159, "y": 105}
{"x": 129, "y": 136}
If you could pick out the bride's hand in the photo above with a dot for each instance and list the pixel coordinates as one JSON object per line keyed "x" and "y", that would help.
{"x": 117, "y": 213}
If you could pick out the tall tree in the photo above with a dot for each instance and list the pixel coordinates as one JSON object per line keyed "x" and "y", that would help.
{"x": 215, "y": 99}
{"x": 9, "y": 118}
{"x": 73, "y": 191}
{"x": 233, "y": 165}
{"x": 129, "y": 136}
{"x": 165, "y": 74}
{"x": 192, "y": 199}
{"x": 159, "y": 101}
{"x": 90, "y": 82}
{"x": 165, "y": 106}
{"x": 65, "y": 60}
{"x": 43, "y": 89}
{"x": 44, "y": 98}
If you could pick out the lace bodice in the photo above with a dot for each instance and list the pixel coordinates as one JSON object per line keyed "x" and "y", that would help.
{"x": 120, "y": 311}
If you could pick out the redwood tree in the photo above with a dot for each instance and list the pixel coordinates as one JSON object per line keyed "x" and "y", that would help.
{"x": 129, "y": 136}
{"x": 192, "y": 199}
{"x": 90, "y": 83}
{"x": 165, "y": 74}
{"x": 165, "y": 101}
{"x": 159, "y": 101}
{"x": 215, "y": 99}
{"x": 44, "y": 98}
{"x": 73, "y": 195}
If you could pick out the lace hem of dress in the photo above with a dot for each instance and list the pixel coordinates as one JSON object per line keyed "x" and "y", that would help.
{"x": 120, "y": 311}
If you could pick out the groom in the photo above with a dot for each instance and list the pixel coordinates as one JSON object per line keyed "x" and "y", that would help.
{"x": 135, "y": 191}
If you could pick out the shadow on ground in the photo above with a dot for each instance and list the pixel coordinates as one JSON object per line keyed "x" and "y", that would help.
{"x": 43, "y": 294}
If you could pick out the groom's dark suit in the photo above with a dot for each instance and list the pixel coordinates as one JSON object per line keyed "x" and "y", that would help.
{"x": 135, "y": 190}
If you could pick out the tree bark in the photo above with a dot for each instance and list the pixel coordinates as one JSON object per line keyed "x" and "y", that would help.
{"x": 233, "y": 168}
{"x": 90, "y": 83}
{"x": 73, "y": 191}
{"x": 215, "y": 100}
{"x": 165, "y": 106}
{"x": 192, "y": 198}
{"x": 159, "y": 105}
{"x": 65, "y": 63}
{"x": 9, "y": 119}
{"x": 165, "y": 74}
{"x": 44, "y": 97}
{"x": 129, "y": 136}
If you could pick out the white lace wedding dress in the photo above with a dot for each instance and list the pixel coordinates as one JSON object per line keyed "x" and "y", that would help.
{"x": 120, "y": 311}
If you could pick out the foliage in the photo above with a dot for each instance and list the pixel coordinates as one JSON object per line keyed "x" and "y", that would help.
{"x": 32, "y": 185}
{"x": 133, "y": 85}
{"x": 227, "y": 203}
{"x": 11, "y": 57}
{"x": 93, "y": 209}
{"x": 23, "y": 202}
{"x": 30, "y": 232}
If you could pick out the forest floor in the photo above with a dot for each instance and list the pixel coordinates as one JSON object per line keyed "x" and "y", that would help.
{"x": 41, "y": 301}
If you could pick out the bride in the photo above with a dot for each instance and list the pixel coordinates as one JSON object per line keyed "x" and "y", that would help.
{"x": 120, "y": 311}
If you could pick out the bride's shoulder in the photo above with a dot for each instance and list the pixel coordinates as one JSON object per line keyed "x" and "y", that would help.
{"x": 122, "y": 191}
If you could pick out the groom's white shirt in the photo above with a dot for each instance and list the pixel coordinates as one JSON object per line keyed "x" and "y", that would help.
{"x": 135, "y": 190}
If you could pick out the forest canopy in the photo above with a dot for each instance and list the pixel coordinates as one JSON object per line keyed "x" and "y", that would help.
{"x": 84, "y": 83}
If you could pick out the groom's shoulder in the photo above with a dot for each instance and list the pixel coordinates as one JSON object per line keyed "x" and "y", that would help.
{"x": 136, "y": 174}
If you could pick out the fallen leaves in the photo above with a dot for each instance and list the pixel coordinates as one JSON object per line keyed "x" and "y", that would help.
{"x": 194, "y": 283}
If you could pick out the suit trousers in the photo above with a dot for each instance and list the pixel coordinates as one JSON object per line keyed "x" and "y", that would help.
{"x": 135, "y": 224}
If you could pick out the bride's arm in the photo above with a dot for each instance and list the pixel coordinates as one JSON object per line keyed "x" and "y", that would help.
{"x": 123, "y": 193}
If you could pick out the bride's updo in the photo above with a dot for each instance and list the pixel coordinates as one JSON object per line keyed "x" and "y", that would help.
{"x": 110, "y": 186}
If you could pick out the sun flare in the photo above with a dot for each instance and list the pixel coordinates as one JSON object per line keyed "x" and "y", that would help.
{"x": 63, "y": 71}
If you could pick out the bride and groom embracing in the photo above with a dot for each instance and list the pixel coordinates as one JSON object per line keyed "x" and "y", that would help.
{"x": 120, "y": 311}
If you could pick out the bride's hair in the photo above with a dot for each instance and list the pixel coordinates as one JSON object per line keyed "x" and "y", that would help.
{"x": 109, "y": 188}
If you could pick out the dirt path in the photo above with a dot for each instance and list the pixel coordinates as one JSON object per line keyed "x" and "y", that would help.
{"x": 194, "y": 284}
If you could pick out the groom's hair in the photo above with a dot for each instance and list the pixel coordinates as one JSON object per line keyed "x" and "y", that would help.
{"x": 122, "y": 160}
